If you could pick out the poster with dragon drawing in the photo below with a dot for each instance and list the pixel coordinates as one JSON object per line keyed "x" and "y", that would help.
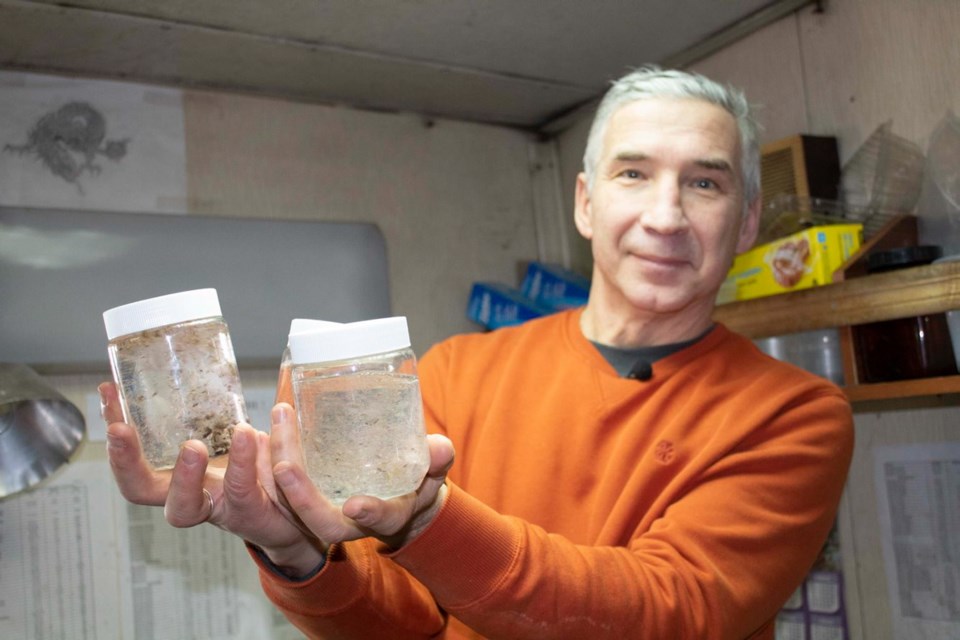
{"x": 90, "y": 144}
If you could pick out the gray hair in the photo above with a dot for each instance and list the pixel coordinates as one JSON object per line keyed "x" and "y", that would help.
{"x": 653, "y": 82}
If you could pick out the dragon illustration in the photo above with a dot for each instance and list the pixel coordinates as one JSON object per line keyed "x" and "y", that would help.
{"x": 68, "y": 141}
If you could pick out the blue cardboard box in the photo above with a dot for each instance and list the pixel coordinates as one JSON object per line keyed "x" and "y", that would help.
{"x": 494, "y": 305}
{"x": 554, "y": 286}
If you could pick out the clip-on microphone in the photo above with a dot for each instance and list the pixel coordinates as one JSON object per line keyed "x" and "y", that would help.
{"x": 642, "y": 371}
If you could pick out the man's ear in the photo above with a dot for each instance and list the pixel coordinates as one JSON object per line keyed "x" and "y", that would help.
{"x": 581, "y": 211}
{"x": 750, "y": 225}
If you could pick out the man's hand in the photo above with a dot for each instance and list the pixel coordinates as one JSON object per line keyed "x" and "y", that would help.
{"x": 263, "y": 494}
{"x": 240, "y": 498}
{"x": 395, "y": 521}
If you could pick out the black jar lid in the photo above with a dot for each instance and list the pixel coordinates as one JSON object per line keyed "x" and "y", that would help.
{"x": 903, "y": 257}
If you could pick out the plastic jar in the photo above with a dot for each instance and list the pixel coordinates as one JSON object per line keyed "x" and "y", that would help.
{"x": 357, "y": 399}
{"x": 284, "y": 381}
{"x": 904, "y": 348}
{"x": 177, "y": 376}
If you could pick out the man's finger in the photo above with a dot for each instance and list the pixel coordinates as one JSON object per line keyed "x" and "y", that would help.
{"x": 110, "y": 409}
{"x": 284, "y": 435}
{"x": 187, "y": 504}
{"x": 313, "y": 509}
{"x": 137, "y": 480}
{"x": 441, "y": 454}
{"x": 265, "y": 465}
{"x": 383, "y": 517}
{"x": 240, "y": 478}
{"x": 387, "y": 517}
{"x": 296, "y": 491}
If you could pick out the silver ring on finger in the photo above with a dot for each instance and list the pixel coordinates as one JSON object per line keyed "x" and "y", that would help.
{"x": 209, "y": 502}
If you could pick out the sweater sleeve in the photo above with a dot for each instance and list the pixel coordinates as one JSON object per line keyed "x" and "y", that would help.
{"x": 358, "y": 594}
{"x": 719, "y": 564}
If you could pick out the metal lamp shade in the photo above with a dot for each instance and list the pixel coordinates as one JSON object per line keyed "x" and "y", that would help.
{"x": 39, "y": 429}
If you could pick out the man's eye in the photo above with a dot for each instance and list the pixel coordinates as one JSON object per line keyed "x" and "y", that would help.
{"x": 705, "y": 183}
{"x": 633, "y": 174}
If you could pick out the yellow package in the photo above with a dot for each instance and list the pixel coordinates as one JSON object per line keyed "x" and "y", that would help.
{"x": 805, "y": 259}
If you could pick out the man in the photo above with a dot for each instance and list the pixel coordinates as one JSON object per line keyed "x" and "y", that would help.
{"x": 625, "y": 470}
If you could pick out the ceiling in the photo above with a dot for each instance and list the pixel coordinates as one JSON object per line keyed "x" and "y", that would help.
{"x": 530, "y": 64}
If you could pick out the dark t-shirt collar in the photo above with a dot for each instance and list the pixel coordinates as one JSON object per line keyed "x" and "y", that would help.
{"x": 625, "y": 360}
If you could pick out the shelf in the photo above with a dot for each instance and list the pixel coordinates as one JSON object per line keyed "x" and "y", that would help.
{"x": 885, "y": 296}
{"x": 903, "y": 389}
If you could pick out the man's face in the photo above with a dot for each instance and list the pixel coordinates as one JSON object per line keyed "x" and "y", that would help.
{"x": 665, "y": 214}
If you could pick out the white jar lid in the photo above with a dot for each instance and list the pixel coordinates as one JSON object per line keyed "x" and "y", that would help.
{"x": 302, "y": 325}
{"x": 161, "y": 311}
{"x": 351, "y": 340}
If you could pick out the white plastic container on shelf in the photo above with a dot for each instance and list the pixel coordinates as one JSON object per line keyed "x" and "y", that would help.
{"x": 953, "y": 317}
{"x": 176, "y": 373}
{"x": 357, "y": 399}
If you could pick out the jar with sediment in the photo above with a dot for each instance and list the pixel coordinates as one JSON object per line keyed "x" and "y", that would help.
{"x": 175, "y": 369}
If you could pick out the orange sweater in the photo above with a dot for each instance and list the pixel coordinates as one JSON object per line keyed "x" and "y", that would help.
{"x": 585, "y": 505}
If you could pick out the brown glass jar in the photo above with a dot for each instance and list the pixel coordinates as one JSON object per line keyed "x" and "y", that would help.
{"x": 904, "y": 348}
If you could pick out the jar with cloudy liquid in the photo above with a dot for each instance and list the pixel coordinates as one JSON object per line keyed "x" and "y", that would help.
{"x": 357, "y": 399}
{"x": 176, "y": 373}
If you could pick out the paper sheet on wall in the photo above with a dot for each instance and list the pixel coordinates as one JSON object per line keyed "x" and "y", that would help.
{"x": 69, "y": 143}
{"x": 918, "y": 497}
{"x": 78, "y": 562}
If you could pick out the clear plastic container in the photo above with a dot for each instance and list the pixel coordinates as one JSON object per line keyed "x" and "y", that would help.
{"x": 357, "y": 398}
{"x": 885, "y": 173}
{"x": 938, "y": 212}
{"x": 174, "y": 365}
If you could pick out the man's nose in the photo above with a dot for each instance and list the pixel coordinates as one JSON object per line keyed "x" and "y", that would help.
{"x": 664, "y": 212}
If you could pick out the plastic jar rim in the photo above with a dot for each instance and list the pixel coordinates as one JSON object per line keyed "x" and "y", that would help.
{"x": 151, "y": 313}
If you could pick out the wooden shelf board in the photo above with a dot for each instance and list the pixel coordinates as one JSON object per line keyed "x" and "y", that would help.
{"x": 857, "y": 300}
{"x": 885, "y": 296}
{"x": 903, "y": 388}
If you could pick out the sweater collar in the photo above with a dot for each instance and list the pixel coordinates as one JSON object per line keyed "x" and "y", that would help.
{"x": 663, "y": 366}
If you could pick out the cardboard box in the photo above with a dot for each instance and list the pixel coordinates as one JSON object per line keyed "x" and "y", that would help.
{"x": 555, "y": 286}
{"x": 495, "y": 305}
{"x": 805, "y": 259}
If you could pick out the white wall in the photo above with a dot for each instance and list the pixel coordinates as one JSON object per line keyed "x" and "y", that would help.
{"x": 454, "y": 200}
